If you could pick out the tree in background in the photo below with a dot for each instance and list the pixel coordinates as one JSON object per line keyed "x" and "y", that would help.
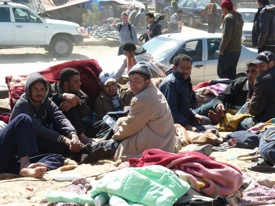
{"x": 92, "y": 17}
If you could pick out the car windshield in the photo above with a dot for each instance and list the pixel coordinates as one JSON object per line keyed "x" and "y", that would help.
{"x": 160, "y": 47}
{"x": 202, "y": 3}
{"x": 248, "y": 16}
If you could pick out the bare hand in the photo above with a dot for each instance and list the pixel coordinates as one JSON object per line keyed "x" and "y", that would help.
{"x": 65, "y": 106}
{"x": 220, "y": 110}
{"x": 72, "y": 98}
{"x": 76, "y": 145}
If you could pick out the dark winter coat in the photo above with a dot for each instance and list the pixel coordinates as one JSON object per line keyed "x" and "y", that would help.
{"x": 180, "y": 97}
{"x": 46, "y": 117}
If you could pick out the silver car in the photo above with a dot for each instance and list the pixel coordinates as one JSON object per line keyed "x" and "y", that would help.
{"x": 202, "y": 47}
{"x": 248, "y": 15}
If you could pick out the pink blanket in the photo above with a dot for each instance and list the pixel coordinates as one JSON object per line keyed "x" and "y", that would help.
{"x": 217, "y": 178}
{"x": 215, "y": 89}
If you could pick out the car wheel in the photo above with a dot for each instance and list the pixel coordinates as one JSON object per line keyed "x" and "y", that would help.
{"x": 61, "y": 46}
{"x": 191, "y": 21}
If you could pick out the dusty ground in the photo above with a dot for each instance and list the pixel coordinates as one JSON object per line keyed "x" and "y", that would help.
{"x": 30, "y": 191}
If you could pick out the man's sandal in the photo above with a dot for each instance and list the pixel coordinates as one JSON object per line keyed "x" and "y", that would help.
{"x": 251, "y": 156}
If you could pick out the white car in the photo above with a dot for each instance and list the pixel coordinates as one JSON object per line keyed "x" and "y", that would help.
{"x": 248, "y": 15}
{"x": 202, "y": 47}
{"x": 22, "y": 27}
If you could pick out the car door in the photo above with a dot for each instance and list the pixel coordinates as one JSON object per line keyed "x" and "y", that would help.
{"x": 212, "y": 48}
{"x": 6, "y": 27}
{"x": 194, "y": 49}
{"x": 28, "y": 28}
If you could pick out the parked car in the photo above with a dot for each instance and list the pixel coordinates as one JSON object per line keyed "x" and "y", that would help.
{"x": 202, "y": 47}
{"x": 248, "y": 15}
{"x": 22, "y": 27}
{"x": 194, "y": 12}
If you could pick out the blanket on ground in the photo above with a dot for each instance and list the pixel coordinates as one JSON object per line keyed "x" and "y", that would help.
{"x": 89, "y": 70}
{"x": 153, "y": 185}
{"x": 217, "y": 178}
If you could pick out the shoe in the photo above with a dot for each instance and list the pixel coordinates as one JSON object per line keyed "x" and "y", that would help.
{"x": 204, "y": 149}
{"x": 262, "y": 166}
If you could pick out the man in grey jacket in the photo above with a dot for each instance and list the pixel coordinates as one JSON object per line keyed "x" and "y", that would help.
{"x": 126, "y": 30}
{"x": 54, "y": 132}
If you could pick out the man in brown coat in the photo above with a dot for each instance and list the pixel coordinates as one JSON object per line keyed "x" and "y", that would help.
{"x": 149, "y": 123}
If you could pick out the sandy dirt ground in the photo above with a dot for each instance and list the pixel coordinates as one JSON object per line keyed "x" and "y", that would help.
{"x": 30, "y": 191}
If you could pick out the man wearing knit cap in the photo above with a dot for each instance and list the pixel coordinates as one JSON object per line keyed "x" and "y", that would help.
{"x": 263, "y": 33}
{"x": 230, "y": 46}
{"x": 149, "y": 123}
{"x": 113, "y": 97}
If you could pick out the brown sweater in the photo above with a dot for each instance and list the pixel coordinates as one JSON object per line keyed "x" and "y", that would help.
{"x": 231, "y": 32}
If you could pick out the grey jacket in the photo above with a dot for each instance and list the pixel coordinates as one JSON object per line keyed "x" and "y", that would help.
{"x": 47, "y": 117}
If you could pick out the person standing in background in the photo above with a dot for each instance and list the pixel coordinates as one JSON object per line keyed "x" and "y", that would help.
{"x": 175, "y": 23}
{"x": 211, "y": 15}
{"x": 132, "y": 16}
{"x": 127, "y": 31}
{"x": 263, "y": 33}
{"x": 153, "y": 27}
{"x": 230, "y": 46}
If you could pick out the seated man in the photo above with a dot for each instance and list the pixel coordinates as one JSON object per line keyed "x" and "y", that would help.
{"x": 234, "y": 96}
{"x": 17, "y": 144}
{"x": 177, "y": 88}
{"x": 262, "y": 104}
{"x": 54, "y": 132}
{"x": 134, "y": 55}
{"x": 149, "y": 123}
{"x": 73, "y": 102}
{"x": 114, "y": 97}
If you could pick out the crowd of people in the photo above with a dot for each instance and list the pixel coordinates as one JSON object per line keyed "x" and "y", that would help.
{"x": 57, "y": 119}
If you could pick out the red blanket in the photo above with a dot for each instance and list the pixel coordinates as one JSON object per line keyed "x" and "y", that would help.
{"x": 89, "y": 71}
{"x": 217, "y": 178}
